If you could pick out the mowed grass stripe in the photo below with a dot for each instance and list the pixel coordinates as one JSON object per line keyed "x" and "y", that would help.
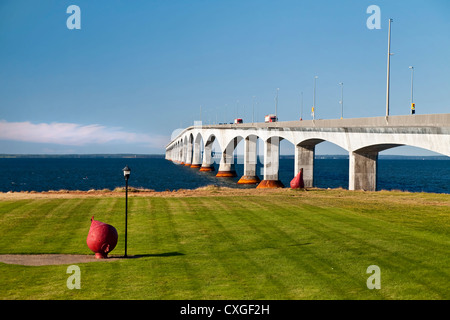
{"x": 199, "y": 268}
{"x": 22, "y": 215}
{"x": 192, "y": 279}
{"x": 307, "y": 263}
{"x": 63, "y": 220}
{"x": 345, "y": 243}
{"x": 143, "y": 223}
{"x": 347, "y": 223}
{"x": 63, "y": 223}
{"x": 21, "y": 226}
{"x": 8, "y": 208}
{"x": 340, "y": 236}
{"x": 385, "y": 240}
{"x": 383, "y": 246}
{"x": 280, "y": 251}
{"x": 233, "y": 244}
{"x": 398, "y": 248}
{"x": 211, "y": 277}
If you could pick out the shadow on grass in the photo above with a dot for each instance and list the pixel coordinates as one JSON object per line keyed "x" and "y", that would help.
{"x": 137, "y": 256}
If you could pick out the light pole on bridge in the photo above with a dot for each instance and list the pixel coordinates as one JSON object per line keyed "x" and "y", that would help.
{"x": 342, "y": 99}
{"x": 253, "y": 109}
{"x": 313, "y": 113}
{"x": 301, "y": 106}
{"x": 388, "y": 68}
{"x": 413, "y": 106}
{"x": 276, "y": 105}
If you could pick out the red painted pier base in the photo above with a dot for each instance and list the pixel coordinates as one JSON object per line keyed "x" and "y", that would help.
{"x": 249, "y": 180}
{"x": 226, "y": 174}
{"x": 207, "y": 168}
{"x": 270, "y": 184}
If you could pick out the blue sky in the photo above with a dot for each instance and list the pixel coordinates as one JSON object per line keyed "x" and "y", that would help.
{"x": 138, "y": 70}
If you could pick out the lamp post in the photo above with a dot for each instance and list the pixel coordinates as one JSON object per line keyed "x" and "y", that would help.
{"x": 388, "y": 69}
{"x": 413, "y": 106}
{"x": 253, "y": 109}
{"x": 126, "y": 174}
{"x": 314, "y": 99}
{"x": 276, "y": 104}
{"x": 342, "y": 99}
{"x": 301, "y": 107}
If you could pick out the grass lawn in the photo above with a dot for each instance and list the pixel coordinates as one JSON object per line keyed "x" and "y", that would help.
{"x": 281, "y": 244}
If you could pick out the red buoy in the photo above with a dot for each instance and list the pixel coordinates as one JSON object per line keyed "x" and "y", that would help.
{"x": 298, "y": 182}
{"x": 102, "y": 238}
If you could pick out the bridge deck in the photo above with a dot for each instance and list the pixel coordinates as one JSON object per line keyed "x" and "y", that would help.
{"x": 425, "y": 120}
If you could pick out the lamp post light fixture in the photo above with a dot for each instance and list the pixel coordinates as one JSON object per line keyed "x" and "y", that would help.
{"x": 126, "y": 174}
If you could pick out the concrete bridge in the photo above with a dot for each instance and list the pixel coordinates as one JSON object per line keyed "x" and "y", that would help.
{"x": 363, "y": 138}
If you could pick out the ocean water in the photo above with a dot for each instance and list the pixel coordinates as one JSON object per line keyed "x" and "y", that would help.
{"x": 43, "y": 174}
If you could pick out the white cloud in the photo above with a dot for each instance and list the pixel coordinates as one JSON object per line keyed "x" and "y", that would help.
{"x": 74, "y": 134}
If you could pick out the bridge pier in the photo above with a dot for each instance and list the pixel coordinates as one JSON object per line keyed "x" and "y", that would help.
{"x": 178, "y": 159}
{"x": 304, "y": 158}
{"x": 207, "y": 163}
{"x": 271, "y": 164}
{"x": 189, "y": 148}
{"x": 196, "y": 155}
{"x": 226, "y": 166}
{"x": 180, "y": 154}
{"x": 250, "y": 161}
{"x": 363, "y": 170}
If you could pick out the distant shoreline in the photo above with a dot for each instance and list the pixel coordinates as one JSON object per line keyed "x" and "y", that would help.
{"x": 161, "y": 156}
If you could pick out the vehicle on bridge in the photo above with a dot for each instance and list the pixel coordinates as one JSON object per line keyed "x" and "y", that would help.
{"x": 238, "y": 120}
{"x": 271, "y": 118}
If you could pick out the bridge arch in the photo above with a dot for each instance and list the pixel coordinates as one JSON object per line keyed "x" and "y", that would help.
{"x": 363, "y": 164}
{"x": 417, "y": 173}
{"x": 197, "y": 145}
{"x": 207, "y": 158}
{"x": 230, "y": 157}
{"x": 188, "y": 147}
{"x": 272, "y": 160}
{"x": 439, "y": 143}
{"x": 179, "y": 151}
{"x": 250, "y": 159}
{"x": 305, "y": 155}
{"x": 314, "y": 139}
{"x": 183, "y": 150}
{"x": 227, "y": 163}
